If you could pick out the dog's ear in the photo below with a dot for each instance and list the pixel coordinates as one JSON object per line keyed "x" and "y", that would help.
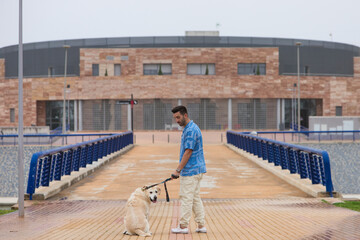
{"x": 159, "y": 190}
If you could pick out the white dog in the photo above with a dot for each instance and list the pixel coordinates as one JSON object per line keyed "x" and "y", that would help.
{"x": 137, "y": 211}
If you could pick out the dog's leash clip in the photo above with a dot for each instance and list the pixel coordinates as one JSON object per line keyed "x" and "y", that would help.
{"x": 167, "y": 194}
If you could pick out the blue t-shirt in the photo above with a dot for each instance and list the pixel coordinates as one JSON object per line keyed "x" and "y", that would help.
{"x": 191, "y": 138}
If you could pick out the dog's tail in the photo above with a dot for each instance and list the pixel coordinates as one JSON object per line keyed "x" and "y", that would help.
{"x": 142, "y": 233}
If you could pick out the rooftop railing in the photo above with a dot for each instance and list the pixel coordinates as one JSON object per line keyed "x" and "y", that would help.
{"x": 51, "y": 165}
{"x": 307, "y": 162}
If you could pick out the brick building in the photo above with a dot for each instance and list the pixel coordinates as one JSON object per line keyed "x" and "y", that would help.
{"x": 226, "y": 82}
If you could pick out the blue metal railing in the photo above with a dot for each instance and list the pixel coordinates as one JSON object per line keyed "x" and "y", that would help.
{"x": 51, "y": 165}
{"x": 307, "y": 162}
{"x": 303, "y": 136}
{"x": 58, "y": 130}
{"x": 294, "y": 126}
{"x": 44, "y": 139}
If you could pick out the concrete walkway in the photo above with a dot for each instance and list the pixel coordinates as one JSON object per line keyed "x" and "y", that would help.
{"x": 229, "y": 176}
{"x": 242, "y": 201}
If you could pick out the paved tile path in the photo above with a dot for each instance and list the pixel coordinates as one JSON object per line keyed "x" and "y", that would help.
{"x": 296, "y": 218}
{"x": 229, "y": 176}
{"x": 241, "y": 201}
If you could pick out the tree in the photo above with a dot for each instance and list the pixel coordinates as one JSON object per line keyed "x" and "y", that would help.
{"x": 207, "y": 70}
{"x": 106, "y": 73}
{"x": 160, "y": 71}
{"x": 258, "y": 70}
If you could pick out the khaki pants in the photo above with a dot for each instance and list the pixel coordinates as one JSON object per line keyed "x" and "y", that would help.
{"x": 190, "y": 200}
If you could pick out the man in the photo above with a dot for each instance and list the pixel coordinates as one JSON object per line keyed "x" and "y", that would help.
{"x": 191, "y": 169}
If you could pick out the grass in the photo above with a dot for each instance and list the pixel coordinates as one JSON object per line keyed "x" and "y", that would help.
{"x": 352, "y": 205}
{"x": 2, "y": 212}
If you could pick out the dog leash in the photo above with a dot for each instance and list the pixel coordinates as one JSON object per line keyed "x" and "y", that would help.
{"x": 164, "y": 182}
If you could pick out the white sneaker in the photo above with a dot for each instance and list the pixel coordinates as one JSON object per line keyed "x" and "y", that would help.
{"x": 180, "y": 230}
{"x": 201, "y": 230}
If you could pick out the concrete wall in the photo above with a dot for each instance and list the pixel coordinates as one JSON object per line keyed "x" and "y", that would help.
{"x": 334, "y": 123}
{"x": 27, "y": 130}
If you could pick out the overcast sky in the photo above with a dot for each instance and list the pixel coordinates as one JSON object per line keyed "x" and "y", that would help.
{"x": 44, "y": 20}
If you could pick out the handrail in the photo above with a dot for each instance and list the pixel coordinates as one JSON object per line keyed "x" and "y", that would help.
{"x": 307, "y": 162}
{"x": 306, "y": 132}
{"x": 52, "y": 164}
{"x": 41, "y": 139}
{"x": 317, "y": 135}
{"x": 60, "y": 135}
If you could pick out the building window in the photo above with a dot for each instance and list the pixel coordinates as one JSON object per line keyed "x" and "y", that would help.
{"x": 110, "y": 58}
{"x": 51, "y": 71}
{"x": 338, "y": 110}
{"x": 306, "y": 70}
{"x": 201, "y": 69}
{"x": 117, "y": 69}
{"x": 157, "y": 69}
{"x": 95, "y": 69}
{"x": 12, "y": 115}
{"x": 251, "y": 68}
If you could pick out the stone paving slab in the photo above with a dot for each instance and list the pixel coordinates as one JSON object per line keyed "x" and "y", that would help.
{"x": 229, "y": 175}
{"x": 272, "y": 218}
{"x": 241, "y": 199}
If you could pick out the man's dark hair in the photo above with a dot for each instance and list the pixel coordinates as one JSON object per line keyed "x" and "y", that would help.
{"x": 180, "y": 109}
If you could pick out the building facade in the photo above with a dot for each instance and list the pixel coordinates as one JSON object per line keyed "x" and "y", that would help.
{"x": 225, "y": 82}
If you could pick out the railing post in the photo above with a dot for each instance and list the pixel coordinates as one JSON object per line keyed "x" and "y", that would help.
{"x": 327, "y": 169}
{"x": 32, "y": 174}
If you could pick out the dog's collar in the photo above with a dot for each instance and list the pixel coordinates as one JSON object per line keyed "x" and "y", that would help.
{"x": 144, "y": 188}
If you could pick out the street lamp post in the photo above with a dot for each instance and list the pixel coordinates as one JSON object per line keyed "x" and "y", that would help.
{"x": 294, "y": 106}
{"x": 68, "y": 91}
{"x": 64, "y": 104}
{"x": 292, "y": 90}
{"x": 20, "y": 118}
{"x": 298, "y": 44}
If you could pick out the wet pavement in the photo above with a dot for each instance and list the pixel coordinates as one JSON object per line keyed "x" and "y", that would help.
{"x": 229, "y": 175}
{"x": 295, "y": 218}
{"x": 242, "y": 201}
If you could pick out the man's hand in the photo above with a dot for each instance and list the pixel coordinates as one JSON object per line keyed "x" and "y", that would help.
{"x": 183, "y": 162}
{"x": 175, "y": 175}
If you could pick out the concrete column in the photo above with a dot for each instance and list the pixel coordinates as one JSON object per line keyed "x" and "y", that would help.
{"x": 283, "y": 113}
{"x": 278, "y": 118}
{"x": 80, "y": 116}
{"x": 129, "y": 117}
{"x": 229, "y": 114}
{"x": 75, "y": 116}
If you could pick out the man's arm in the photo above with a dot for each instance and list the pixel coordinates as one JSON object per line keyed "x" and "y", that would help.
{"x": 184, "y": 161}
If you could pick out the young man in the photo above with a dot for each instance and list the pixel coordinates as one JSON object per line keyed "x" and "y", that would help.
{"x": 191, "y": 169}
